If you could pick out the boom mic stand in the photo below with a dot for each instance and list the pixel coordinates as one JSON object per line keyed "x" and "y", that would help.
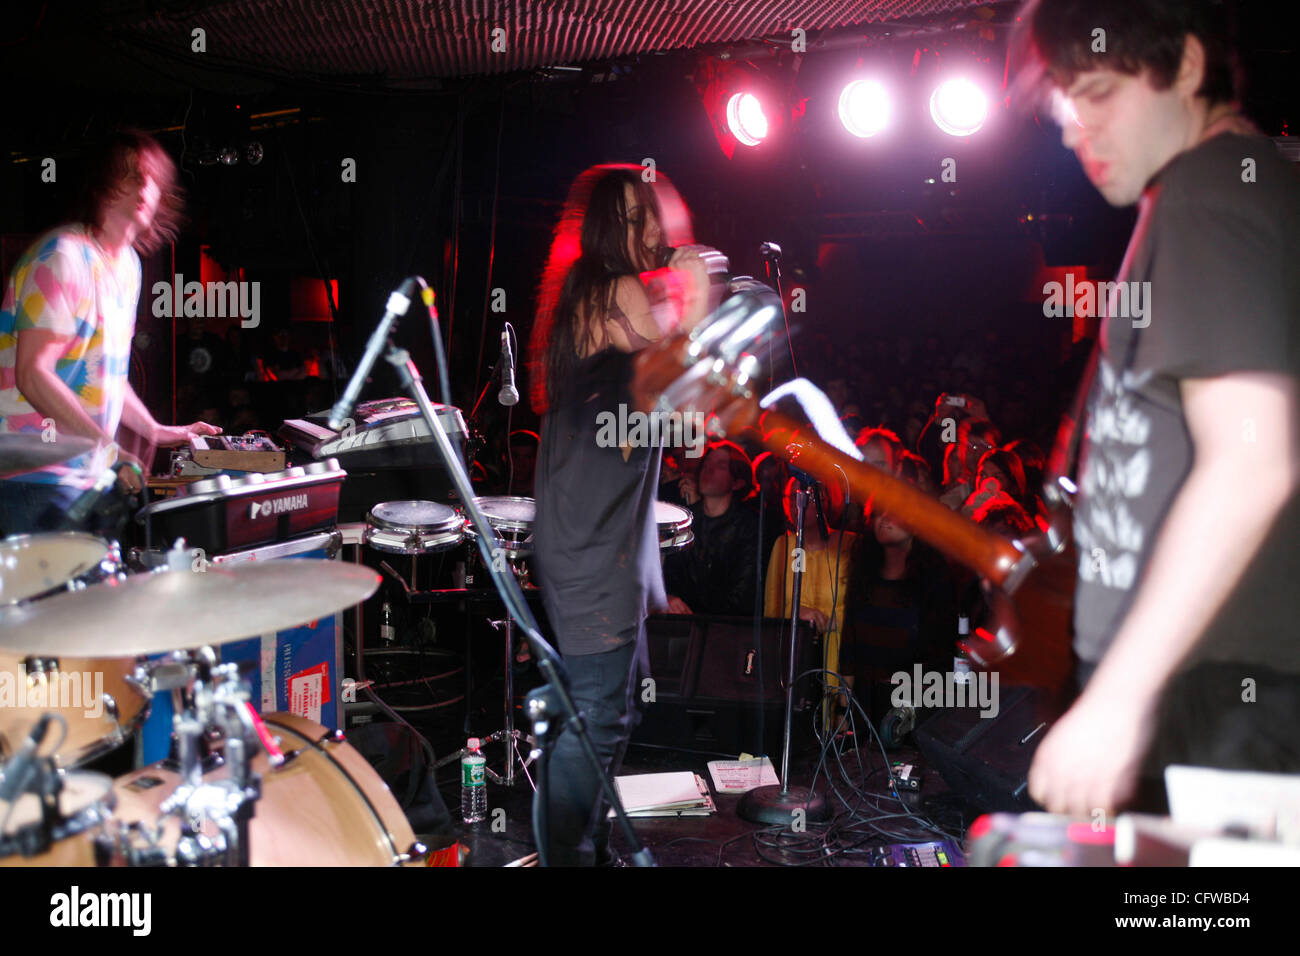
{"x": 779, "y": 804}
{"x": 541, "y": 707}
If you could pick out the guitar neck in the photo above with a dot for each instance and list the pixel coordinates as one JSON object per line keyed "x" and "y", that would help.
{"x": 990, "y": 555}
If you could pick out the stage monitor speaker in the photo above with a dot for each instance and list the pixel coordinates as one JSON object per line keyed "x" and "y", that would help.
{"x": 708, "y": 695}
{"x": 986, "y": 759}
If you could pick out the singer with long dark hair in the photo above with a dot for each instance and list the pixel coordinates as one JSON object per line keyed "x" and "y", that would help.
{"x": 602, "y": 299}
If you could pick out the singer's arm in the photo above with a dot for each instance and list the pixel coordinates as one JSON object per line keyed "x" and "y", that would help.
{"x": 652, "y": 321}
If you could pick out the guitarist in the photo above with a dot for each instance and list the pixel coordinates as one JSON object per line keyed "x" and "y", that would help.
{"x": 1186, "y": 522}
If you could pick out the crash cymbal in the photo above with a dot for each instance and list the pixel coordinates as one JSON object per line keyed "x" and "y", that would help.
{"x": 27, "y": 451}
{"x": 178, "y": 610}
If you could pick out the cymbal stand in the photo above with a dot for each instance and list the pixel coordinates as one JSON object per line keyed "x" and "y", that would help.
{"x": 509, "y": 735}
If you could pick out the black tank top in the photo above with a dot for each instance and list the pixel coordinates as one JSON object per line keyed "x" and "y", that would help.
{"x": 596, "y": 546}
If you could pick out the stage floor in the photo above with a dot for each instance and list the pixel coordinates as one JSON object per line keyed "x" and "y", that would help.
{"x": 724, "y": 839}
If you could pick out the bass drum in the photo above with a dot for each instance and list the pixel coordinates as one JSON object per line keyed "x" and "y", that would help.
{"x": 325, "y": 806}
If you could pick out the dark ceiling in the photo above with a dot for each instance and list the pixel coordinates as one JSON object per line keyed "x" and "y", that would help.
{"x": 407, "y": 41}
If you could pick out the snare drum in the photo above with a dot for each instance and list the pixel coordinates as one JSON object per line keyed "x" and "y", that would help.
{"x": 674, "y": 523}
{"x": 325, "y": 806}
{"x": 413, "y": 527}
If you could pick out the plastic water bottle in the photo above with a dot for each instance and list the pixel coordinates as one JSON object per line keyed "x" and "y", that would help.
{"x": 960, "y": 662}
{"x": 387, "y": 632}
{"x": 473, "y": 783}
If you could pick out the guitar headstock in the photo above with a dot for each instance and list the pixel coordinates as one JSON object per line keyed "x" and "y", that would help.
{"x": 711, "y": 369}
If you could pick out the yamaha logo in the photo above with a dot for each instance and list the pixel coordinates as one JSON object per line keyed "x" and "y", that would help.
{"x": 276, "y": 506}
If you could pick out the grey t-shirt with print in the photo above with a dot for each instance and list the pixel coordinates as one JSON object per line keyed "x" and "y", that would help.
{"x": 1217, "y": 257}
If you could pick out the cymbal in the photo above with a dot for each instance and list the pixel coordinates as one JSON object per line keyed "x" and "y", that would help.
{"x": 22, "y": 452}
{"x": 179, "y": 610}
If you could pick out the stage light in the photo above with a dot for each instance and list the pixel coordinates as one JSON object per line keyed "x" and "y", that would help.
{"x": 864, "y": 108}
{"x": 959, "y": 107}
{"x": 745, "y": 119}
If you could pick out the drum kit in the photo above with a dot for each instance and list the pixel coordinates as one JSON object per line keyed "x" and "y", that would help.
{"x": 86, "y": 646}
{"x": 75, "y": 630}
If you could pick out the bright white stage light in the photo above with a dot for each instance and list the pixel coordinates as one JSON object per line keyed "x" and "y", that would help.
{"x": 864, "y": 108}
{"x": 745, "y": 119}
{"x": 959, "y": 107}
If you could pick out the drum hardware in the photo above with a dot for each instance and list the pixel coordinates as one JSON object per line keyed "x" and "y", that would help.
{"x": 509, "y": 735}
{"x": 220, "y": 698}
{"x": 56, "y": 806}
{"x": 32, "y": 789}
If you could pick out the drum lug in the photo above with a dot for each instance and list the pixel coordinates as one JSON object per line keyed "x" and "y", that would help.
{"x": 333, "y": 737}
{"x": 418, "y": 853}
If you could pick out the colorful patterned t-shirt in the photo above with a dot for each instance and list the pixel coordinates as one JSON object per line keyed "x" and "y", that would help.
{"x": 68, "y": 284}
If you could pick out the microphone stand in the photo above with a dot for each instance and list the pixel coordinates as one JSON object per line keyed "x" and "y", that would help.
{"x": 778, "y": 804}
{"x": 541, "y": 707}
{"x": 770, "y": 253}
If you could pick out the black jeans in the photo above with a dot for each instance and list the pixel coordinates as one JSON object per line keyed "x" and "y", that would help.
{"x": 606, "y": 689}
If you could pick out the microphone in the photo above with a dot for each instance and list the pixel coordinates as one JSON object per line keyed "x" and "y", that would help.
{"x": 398, "y": 303}
{"x": 20, "y": 770}
{"x": 716, "y": 264}
{"x": 509, "y": 395}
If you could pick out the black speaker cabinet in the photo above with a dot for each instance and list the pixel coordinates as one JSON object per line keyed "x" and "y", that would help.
{"x": 986, "y": 759}
{"x": 708, "y": 692}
